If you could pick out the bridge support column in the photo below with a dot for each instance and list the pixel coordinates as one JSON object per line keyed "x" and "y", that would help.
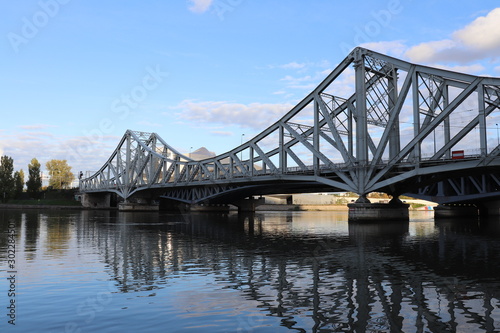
{"x": 138, "y": 205}
{"x": 248, "y": 205}
{"x": 455, "y": 210}
{"x": 489, "y": 208}
{"x": 96, "y": 200}
{"x": 364, "y": 211}
{"x": 209, "y": 208}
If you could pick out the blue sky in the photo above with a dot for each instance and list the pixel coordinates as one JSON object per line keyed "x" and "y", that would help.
{"x": 76, "y": 74}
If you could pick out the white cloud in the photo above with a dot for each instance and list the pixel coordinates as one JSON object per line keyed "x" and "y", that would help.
{"x": 82, "y": 152}
{"x": 301, "y": 66}
{"x": 431, "y": 51}
{"x": 471, "y": 69}
{"x": 199, "y": 6}
{"x": 478, "y": 40}
{"x": 305, "y": 82}
{"x": 36, "y": 126}
{"x": 304, "y": 77}
{"x": 483, "y": 33}
{"x": 395, "y": 48}
{"x": 293, "y": 65}
{"x": 255, "y": 115}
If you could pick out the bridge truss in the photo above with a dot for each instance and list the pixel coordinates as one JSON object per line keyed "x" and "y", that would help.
{"x": 375, "y": 123}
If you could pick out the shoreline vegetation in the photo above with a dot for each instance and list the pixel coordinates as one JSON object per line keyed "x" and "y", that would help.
{"x": 42, "y": 204}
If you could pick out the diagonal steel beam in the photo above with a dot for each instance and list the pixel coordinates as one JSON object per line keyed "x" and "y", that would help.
{"x": 425, "y": 131}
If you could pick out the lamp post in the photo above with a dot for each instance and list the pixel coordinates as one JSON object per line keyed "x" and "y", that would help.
{"x": 241, "y": 142}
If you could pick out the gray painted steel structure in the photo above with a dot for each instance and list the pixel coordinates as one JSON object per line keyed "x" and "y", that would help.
{"x": 375, "y": 123}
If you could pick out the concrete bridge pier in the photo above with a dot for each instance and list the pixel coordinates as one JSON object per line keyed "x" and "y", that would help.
{"x": 138, "y": 204}
{"x": 364, "y": 211}
{"x": 249, "y": 204}
{"x": 489, "y": 208}
{"x": 456, "y": 211}
{"x": 96, "y": 200}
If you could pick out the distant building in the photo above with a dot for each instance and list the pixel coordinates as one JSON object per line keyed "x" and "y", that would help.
{"x": 201, "y": 154}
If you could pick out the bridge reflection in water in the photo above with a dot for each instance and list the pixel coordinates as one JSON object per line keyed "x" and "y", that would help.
{"x": 320, "y": 277}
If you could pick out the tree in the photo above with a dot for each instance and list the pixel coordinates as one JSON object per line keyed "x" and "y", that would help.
{"x": 7, "y": 184}
{"x": 34, "y": 183}
{"x": 60, "y": 174}
{"x": 18, "y": 183}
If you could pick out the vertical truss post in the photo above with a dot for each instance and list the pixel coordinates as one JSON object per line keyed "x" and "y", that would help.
{"x": 126, "y": 169}
{"x": 282, "y": 157}
{"x": 250, "y": 158}
{"x": 361, "y": 117}
{"x": 177, "y": 169}
{"x": 483, "y": 140}
{"x": 231, "y": 167}
{"x": 316, "y": 136}
{"x": 446, "y": 122}
{"x": 361, "y": 123}
{"x": 350, "y": 139}
{"x": 152, "y": 164}
{"x": 392, "y": 95}
{"x": 416, "y": 117}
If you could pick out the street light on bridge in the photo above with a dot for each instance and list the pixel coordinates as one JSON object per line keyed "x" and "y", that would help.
{"x": 241, "y": 142}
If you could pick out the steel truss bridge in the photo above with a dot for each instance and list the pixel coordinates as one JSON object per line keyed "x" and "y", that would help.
{"x": 374, "y": 124}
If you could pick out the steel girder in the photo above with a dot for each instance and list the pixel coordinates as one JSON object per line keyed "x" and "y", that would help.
{"x": 374, "y": 122}
{"x": 465, "y": 188}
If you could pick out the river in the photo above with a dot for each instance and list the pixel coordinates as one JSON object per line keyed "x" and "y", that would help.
{"x": 108, "y": 271}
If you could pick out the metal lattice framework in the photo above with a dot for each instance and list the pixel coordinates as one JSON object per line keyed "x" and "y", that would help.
{"x": 375, "y": 123}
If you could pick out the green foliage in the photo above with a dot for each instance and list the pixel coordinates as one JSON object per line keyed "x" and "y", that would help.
{"x": 19, "y": 183}
{"x": 48, "y": 202}
{"x": 7, "y": 184}
{"x": 34, "y": 183}
{"x": 416, "y": 205}
{"x": 60, "y": 174}
{"x": 341, "y": 201}
{"x": 378, "y": 195}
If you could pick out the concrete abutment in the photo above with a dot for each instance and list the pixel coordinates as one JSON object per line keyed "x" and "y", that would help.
{"x": 455, "y": 211}
{"x": 364, "y": 211}
{"x": 249, "y": 204}
{"x": 96, "y": 200}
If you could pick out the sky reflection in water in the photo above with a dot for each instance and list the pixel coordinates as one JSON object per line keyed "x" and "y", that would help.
{"x": 106, "y": 271}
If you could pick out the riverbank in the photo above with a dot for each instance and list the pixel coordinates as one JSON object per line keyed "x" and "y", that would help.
{"x": 44, "y": 206}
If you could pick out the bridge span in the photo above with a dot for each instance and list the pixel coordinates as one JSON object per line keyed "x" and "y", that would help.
{"x": 374, "y": 124}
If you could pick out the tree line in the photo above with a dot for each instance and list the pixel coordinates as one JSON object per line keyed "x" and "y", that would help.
{"x": 12, "y": 183}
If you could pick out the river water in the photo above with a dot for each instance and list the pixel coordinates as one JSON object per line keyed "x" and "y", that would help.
{"x": 108, "y": 271}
